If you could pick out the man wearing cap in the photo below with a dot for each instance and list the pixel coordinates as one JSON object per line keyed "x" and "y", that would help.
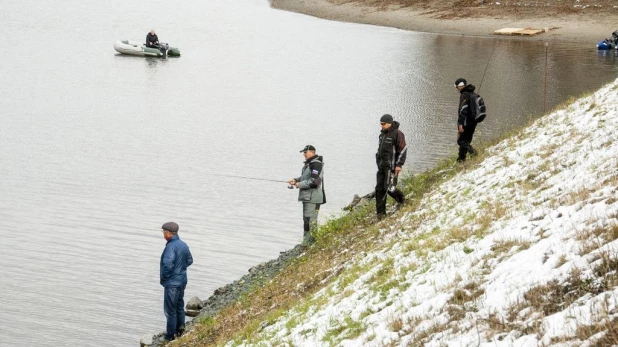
{"x": 175, "y": 259}
{"x": 152, "y": 40}
{"x": 465, "y": 120}
{"x": 390, "y": 158}
{"x": 311, "y": 190}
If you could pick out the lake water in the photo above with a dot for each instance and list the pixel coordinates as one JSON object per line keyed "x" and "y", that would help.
{"x": 98, "y": 150}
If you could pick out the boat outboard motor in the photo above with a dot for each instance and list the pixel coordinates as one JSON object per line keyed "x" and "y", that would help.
{"x": 164, "y": 47}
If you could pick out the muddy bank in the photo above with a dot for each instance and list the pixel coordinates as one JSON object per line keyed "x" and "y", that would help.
{"x": 586, "y": 27}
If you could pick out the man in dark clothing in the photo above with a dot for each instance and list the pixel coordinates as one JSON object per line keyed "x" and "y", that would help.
{"x": 175, "y": 259}
{"x": 152, "y": 40}
{"x": 311, "y": 194}
{"x": 465, "y": 119}
{"x": 390, "y": 158}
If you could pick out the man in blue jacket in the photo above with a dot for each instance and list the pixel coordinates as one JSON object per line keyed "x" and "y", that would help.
{"x": 175, "y": 259}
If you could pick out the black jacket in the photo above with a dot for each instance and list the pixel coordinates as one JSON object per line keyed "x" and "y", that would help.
{"x": 465, "y": 112}
{"x": 391, "y": 148}
{"x": 152, "y": 40}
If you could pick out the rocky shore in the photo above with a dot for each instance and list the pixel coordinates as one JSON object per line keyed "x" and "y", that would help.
{"x": 230, "y": 293}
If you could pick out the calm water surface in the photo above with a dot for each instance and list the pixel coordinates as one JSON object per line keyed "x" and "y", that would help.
{"x": 98, "y": 150}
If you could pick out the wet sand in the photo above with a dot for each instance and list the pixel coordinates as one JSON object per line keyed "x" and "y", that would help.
{"x": 581, "y": 28}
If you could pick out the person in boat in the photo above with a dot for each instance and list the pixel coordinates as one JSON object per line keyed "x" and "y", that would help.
{"x": 152, "y": 40}
{"x": 614, "y": 38}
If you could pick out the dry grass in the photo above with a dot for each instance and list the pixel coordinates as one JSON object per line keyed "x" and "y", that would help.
{"x": 561, "y": 261}
{"x": 423, "y": 336}
{"x": 277, "y": 296}
{"x": 463, "y": 301}
{"x": 504, "y": 246}
{"x": 555, "y": 296}
{"x": 610, "y": 327}
{"x": 497, "y": 324}
{"x": 452, "y": 9}
{"x": 572, "y": 198}
{"x": 594, "y": 238}
{"x": 547, "y": 151}
{"x": 468, "y": 293}
{"x": 396, "y": 325}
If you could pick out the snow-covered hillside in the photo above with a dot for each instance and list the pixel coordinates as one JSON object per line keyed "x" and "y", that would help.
{"x": 521, "y": 250}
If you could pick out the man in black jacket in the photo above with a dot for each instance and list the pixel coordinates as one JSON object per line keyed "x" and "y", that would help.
{"x": 390, "y": 158}
{"x": 465, "y": 119}
{"x": 152, "y": 40}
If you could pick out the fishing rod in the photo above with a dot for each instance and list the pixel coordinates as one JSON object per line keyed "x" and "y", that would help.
{"x": 254, "y": 178}
{"x": 487, "y": 65}
{"x": 257, "y": 179}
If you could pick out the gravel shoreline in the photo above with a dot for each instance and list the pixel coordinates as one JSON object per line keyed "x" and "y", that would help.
{"x": 588, "y": 27}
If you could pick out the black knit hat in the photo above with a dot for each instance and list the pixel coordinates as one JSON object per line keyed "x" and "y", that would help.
{"x": 170, "y": 226}
{"x": 387, "y": 118}
{"x": 461, "y": 82}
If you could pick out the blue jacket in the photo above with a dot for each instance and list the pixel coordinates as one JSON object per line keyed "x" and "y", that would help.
{"x": 175, "y": 260}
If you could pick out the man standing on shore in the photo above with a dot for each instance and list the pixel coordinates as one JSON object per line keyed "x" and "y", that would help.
{"x": 465, "y": 119}
{"x": 390, "y": 158}
{"x": 175, "y": 259}
{"x": 311, "y": 194}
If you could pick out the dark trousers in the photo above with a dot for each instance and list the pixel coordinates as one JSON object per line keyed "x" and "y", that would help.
{"x": 383, "y": 179}
{"x": 174, "y": 307}
{"x": 464, "y": 141}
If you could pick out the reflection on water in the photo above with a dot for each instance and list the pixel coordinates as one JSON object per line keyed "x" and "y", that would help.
{"x": 98, "y": 149}
{"x": 607, "y": 56}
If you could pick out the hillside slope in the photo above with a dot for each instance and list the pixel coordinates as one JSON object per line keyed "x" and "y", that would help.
{"x": 519, "y": 250}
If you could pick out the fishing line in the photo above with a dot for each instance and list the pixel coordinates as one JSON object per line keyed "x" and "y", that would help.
{"x": 487, "y": 65}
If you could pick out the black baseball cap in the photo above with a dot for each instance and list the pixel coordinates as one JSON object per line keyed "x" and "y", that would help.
{"x": 307, "y": 148}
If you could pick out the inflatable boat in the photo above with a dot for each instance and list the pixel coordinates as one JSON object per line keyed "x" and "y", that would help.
{"x": 140, "y": 49}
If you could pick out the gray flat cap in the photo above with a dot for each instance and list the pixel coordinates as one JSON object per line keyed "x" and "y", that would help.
{"x": 170, "y": 226}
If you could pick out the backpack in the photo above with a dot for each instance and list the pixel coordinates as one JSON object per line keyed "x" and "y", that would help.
{"x": 478, "y": 105}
